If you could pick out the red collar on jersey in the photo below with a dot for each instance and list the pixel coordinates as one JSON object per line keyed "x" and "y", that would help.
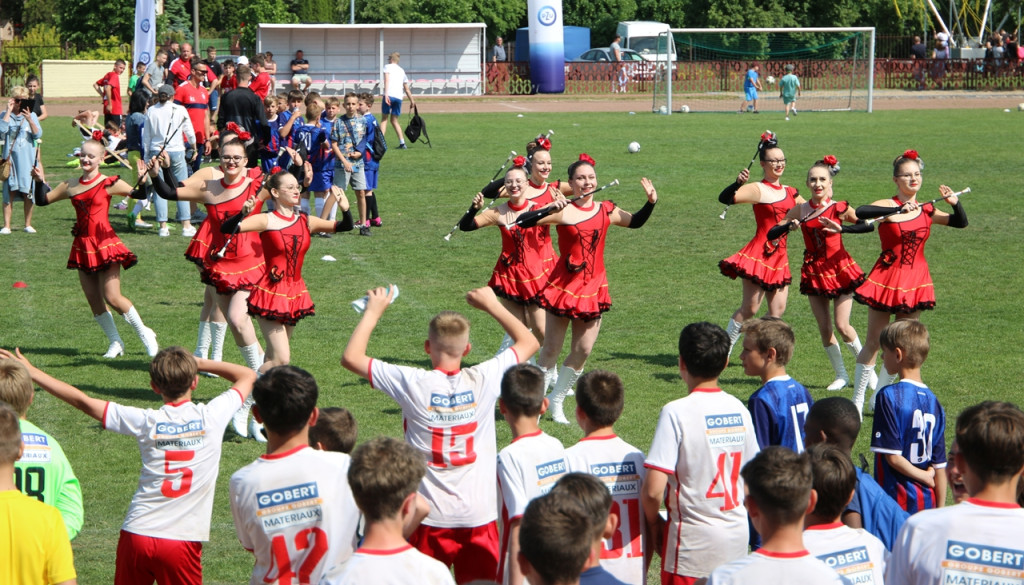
{"x": 600, "y": 438}
{"x": 782, "y": 555}
{"x": 527, "y": 435}
{"x": 448, "y": 372}
{"x": 828, "y": 526}
{"x": 272, "y": 456}
{"x": 181, "y": 402}
{"x": 991, "y": 504}
{"x": 706, "y": 390}
{"x": 383, "y": 552}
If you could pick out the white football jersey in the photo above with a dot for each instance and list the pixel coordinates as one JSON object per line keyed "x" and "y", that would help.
{"x": 400, "y": 566}
{"x": 295, "y": 512}
{"x": 180, "y": 446}
{"x": 853, "y": 552}
{"x": 973, "y": 542}
{"x": 701, "y": 442}
{"x": 528, "y": 468}
{"x": 762, "y": 567}
{"x": 449, "y": 419}
{"x": 621, "y": 467}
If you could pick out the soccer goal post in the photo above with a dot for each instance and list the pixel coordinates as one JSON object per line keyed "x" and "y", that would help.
{"x": 835, "y": 68}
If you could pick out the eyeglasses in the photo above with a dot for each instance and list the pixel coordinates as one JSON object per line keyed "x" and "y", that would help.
{"x": 776, "y": 161}
{"x": 201, "y": 71}
{"x": 910, "y": 176}
{"x": 234, "y": 159}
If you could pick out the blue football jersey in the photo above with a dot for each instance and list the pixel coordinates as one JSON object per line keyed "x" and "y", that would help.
{"x": 779, "y": 409}
{"x": 909, "y": 421}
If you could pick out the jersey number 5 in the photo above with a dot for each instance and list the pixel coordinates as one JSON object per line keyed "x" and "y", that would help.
{"x": 452, "y": 446}
{"x": 167, "y": 487}
{"x": 728, "y": 475}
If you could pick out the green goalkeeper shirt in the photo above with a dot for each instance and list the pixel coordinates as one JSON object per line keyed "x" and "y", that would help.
{"x": 44, "y": 473}
{"x": 788, "y": 86}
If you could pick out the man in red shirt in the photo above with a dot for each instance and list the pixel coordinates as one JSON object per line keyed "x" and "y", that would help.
{"x": 109, "y": 87}
{"x": 260, "y": 79}
{"x": 181, "y": 68}
{"x": 196, "y": 100}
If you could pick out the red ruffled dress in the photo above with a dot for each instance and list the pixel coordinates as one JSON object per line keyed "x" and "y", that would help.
{"x": 96, "y": 246}
{"x": 527, "y": 256}
{"x": 578, "y": 285}
{"x": 242, "y": 265}
{"x": 762, "y": 261}
{"x": 900, "y": 281}
{"x": 828, "y": 270}
{"x": 281, "y": 295}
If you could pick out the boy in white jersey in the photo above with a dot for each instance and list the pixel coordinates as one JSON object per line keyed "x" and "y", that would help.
{"x": 555, "y": 541}
{"x": 778, "y": 494}
{"x": 385, "y": 475}
{"x": 982, "y": 539}
{"x": 180, "y": 444}
{"x": 699, "y": 446}
{"x": 529, "y": 466}
{"x": 853, "y": 552}
{"x": 619, "y": 466}
{"x": 448, "y": 414}
{"x": 293, "y": 507}
{"x": 593, "y": 495}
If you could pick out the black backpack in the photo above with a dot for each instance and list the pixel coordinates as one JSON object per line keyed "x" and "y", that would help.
{"x": 379, "y": 146}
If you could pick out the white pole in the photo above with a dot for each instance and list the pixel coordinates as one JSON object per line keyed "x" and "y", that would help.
{"x": 871, "y": 72}
{"x": 984, "y": 20}
{"x": 942, "y": 23}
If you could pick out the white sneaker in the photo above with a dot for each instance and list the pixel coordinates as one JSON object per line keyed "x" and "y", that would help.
{"x": 164, "y": 232}
{"x": 5, "y": 231}
{"x": 188, "y": 232}
{"x": 29, "y": 229}
{"x": 114, "y": 350}
{"x": 149, "y": 340}
{"x": 256, "y": 430}
{"x": 787, "y": 118}
{"x": 794, "y": 111}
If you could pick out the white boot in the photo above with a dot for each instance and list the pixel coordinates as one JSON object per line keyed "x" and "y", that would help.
{"x": 860, "y": 386}
{"x": 253, "y": 356}
{"x": 884, "y": 379}
{"x": 835, "y": 356}
{"x": 550, "y": 377}
{"x": 733, "y": 331}
{"x": 218, "y": 329}
{"x": 854, "y": 346}
{"x": 241, "y": 417}
{"x": 203, "y": 340}
{"x": 106, "y": 322}
{"x": 256, "y": 430}
{"x": 145, "y": 334}
{"x": 566, "y": 379}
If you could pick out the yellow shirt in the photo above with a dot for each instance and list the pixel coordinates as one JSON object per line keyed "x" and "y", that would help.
{"x": 34, "y": 545}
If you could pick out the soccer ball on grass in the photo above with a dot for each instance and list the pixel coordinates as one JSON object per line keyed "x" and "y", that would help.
{"x": 634, "y": 147}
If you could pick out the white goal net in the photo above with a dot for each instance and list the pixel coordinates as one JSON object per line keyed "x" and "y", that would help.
{"x": 835, "y": 68}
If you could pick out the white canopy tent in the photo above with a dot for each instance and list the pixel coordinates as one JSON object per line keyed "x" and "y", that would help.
{"x": 438, "y": 58}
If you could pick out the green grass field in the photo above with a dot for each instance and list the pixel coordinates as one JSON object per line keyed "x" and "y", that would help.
{"x": 662, "y": 277}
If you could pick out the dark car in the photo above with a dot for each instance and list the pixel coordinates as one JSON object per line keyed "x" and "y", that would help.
{"x": 605, "y": 54}
{"x": 598, "y": 63}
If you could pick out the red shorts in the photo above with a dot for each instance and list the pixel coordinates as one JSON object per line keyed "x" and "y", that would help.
{"x": 473, "y": 551}
{"x": 673, "y": 579}
{"x": 144, "y": 559}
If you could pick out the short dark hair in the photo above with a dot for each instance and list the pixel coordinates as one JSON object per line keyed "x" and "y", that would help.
{"x": 576, "y": 165}
{"x": 172, "y": 372}
{"x": 704, "y": 349}
{"x": 600, "y": 395}
{"x": 335, "y": 429}
{"x": 991, "y": 439}
{"x": 383, "y": 472}
{"x": 779, "y": 481}
{"x": 838, "y": 417}
{"x": 834, "y": 479}
{"x": 522, "y": 390}
{"x": 10, "y": 434}
{"x": 285, "y": 397}
{"x": 592, "y": 494}
{"x": 551, "y": 539}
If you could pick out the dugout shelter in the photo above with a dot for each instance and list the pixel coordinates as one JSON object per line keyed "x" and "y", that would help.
{"x": 437, "y": 58}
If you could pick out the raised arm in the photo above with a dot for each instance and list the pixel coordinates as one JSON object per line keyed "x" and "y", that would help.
{"x": 62, "y": 390}
{"x": 43, "y": 195}
{"x": 471, "y": 220}
{"x": 241, "y": 377}
{"x": 636, "y": 220}
{"x": 354, "y": 359}
{"x": 525, "y": 344}
{"x": 956, "y": 219}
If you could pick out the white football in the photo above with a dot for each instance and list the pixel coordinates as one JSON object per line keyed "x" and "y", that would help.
{"x": 684, "y": 109}
{"x": 771, "y": 79}
{"x": 634, "y": 146}
{"x": 1020, "y": 107}
{"x": 663, "y": 110}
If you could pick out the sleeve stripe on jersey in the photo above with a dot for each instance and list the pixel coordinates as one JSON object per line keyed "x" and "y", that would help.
{"x": 886, "y": 451}
{"x": 661, "y": 469}
{"x": 515, "y": 354}
{"x": 239, "y": 392}
{"x": 106, "y": 407}
{"x": 369, "y": 373}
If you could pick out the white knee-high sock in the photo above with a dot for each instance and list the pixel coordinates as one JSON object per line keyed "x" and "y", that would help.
{"x": 146, "y": 335}
{"x": 203, "y": 340}
{"x": 115, "y": 343}
{"x": 860, "y": 386}
{"x": 733, "y": 331}
{"x": 884, "y": 379}
{"x": 253, "y": 356}
{"x": 835, "y": 356}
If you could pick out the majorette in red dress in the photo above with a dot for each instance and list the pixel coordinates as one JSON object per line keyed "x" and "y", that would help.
{"x": 281, "y": 295}
{"x": 526, "y": 255}
{"x": 578, "y": 285}
{"x": 900, "y": 281}
{"x": 762, "y": 261}
{"x": 828, "y": 270}
{"x": 96, "y": 246}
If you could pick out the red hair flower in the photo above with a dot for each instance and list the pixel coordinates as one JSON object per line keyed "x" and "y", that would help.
{"x": 767, "y": 136}
{"x": 830, "y": 160}
{"x": 275, "y": 170}
{"x": 911, "y": 154}
{"x": 242, "y": 134}
{"x": 97, "y": 135}
{"x": 587, "y": 159}
{"x": 519, "y": 161}
{"x": 543, "y": 142}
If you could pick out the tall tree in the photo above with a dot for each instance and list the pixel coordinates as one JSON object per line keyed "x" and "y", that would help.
{"x": 84, "y": 23}
{"x": 317, "y": 11}
{"x": 263, "y": 11}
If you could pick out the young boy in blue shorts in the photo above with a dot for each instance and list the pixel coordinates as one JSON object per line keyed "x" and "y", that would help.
{"x": 370, "y": 166}
{"x": 314, "y": 135}
{"x": 908, "y": 435}
{"x": 780, "y": 406}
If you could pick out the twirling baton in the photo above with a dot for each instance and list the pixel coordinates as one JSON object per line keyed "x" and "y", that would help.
{"x": 899, "y": 210}
{"x": 219, "y": 254}
{"x": 767, "y": 138}
{"x": 162, "y": 148}
{"x": 542, "y": 213}
{"x": 512, "y": 154}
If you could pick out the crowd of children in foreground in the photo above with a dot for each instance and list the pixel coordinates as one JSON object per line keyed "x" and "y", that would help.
{"x": 777, "y": 478}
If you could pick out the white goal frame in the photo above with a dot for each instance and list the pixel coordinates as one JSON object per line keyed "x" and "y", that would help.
{"x": 664, "y": 98}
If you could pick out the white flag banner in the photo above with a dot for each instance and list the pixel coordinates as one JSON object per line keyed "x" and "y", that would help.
{"x": 145, "y": 32}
